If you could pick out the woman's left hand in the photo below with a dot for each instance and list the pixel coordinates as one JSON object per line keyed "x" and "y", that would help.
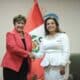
{"x": 62, "y": 70}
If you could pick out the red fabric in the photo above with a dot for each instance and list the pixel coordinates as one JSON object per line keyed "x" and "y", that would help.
{"x": 36, "y": 69}
{"x": 15, "y": 51}
{"x": 34, "y": 18}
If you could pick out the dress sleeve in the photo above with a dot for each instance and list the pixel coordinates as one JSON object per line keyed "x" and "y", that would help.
{"x": 13, "y": 48}
{"x": 65, "y": 49}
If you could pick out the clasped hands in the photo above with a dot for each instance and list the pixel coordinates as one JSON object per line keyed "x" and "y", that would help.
{"x": 31, "y": 55}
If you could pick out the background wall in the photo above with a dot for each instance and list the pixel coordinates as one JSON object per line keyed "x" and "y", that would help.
{"x": 67, "y": 10}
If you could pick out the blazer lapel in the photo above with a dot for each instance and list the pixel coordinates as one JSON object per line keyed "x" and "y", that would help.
{"x": 18, "y": 39}
{"x": 26, "y": 41}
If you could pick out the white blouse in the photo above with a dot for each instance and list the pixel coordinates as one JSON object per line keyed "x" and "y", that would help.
{"x": 56, "y": 50}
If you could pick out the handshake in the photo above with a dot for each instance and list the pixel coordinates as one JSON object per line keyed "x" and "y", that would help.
{"x": 32, "y": 56}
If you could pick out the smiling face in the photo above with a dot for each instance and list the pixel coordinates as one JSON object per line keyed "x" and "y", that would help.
{"x": 19, "y": 23}
{"x": 19, "y": 26}
{"x": 51, "y": 25}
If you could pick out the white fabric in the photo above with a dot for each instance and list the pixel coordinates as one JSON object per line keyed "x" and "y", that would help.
{"x": 57, "y": 53}
{"x": 54, "y": 73}
{"x": 56, "y": 50}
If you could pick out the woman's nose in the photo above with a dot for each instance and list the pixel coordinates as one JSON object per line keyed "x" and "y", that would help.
{"x": 21, "y": 25}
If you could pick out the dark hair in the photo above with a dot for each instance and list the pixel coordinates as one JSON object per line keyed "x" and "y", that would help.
{"x": 45, "y": 24}
{"x": 19, "y": 18}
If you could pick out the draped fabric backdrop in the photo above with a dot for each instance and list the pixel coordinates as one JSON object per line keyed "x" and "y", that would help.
{"x": 35, "y": 27}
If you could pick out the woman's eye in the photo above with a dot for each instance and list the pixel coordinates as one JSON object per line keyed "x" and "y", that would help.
{"x": 47, "y": 23}
{"x": 52, "y": 23}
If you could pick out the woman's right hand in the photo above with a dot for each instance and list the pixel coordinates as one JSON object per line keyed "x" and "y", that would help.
{"x": 31, "y": 55}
